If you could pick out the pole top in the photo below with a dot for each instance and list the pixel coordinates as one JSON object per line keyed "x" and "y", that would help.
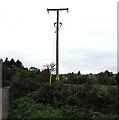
{"x": 60, "y": 9}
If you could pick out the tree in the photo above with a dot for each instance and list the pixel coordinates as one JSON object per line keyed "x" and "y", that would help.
{"x": 6, "y": 61}
{"x": 33, "y": 69}
{"x": 19, "y": 64}
{"x": 5, "y": 75}
{"x": 108, "y": 74}
{"x": 11, "y": 64}
{"x": 117, "y": 78}
{"x": 79, "y": 73}
{"x": 106, "y": 78}
{"x": 48, "y": 66}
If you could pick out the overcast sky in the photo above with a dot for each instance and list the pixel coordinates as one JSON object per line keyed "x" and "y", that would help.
{"x": 87, "y": 38}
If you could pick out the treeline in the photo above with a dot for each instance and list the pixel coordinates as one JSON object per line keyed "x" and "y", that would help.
{"x": 10, "y": 68}
{"x": 12, "y": 63}
{"x": 104, "y": 78}
{"x": 90, "y": 97}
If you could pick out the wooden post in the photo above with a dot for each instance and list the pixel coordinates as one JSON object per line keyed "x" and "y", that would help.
{"x": 57, "y": 40}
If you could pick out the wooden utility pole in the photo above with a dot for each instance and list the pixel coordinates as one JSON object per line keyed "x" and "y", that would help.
{"x": 57, "y": 39}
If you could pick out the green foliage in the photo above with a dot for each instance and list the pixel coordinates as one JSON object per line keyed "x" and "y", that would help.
{"x": 76, "y": 112}
{"x": 23, "y": 108}
{"x": 106, "y": 78}
{"x": 42, "y": 94}
{"x": 33, "y": 69}
{"x": 47, "y": 112}
{"x": 8, "y": 70}
{"x": 101, "y": 116}
{"x": 5, "y": 75}
{"x": 91, "y": 97}
{"x": 21, "y": 87}
{"x": 13, "y": 64}
{"x": 117, "y": 78}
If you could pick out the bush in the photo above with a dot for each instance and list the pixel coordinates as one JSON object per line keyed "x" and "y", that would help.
{"x": 23, "y": 108}
{"x": 78, "y": 113}
{"x": 47, "y": 112}
{"x": 101, "y": 116}
{"x": 21, "y": 84}
{"x": 43, "y": 94}
{"x": 27, "y": 108}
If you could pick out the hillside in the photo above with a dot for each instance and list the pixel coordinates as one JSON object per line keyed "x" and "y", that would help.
{"x": 90, "y": 97}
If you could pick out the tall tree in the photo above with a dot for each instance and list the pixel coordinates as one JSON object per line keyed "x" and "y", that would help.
{"x": 19, "y": 64}
{"x": 11, "y": 63}
{"x": 117, "y": 78}
{"x": 6, "y": 62}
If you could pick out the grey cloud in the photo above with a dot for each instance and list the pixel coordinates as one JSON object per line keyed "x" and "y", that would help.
{"x": 89, "y": 60}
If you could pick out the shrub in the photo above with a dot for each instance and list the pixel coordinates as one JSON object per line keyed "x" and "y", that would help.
{"x": 47, "y": 112}
{"x": 23, "y": 108}
{"x": 21, "y": 84}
